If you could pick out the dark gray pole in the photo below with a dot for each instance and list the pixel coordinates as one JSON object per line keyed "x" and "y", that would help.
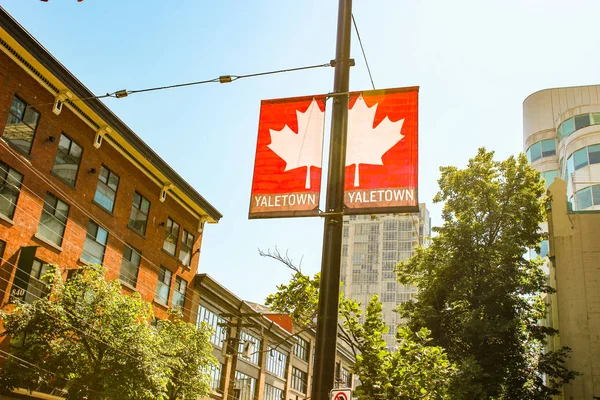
{"x": 327, "y": 319}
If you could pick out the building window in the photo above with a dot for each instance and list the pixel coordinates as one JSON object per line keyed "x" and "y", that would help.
{"x": 179, "y": 292}
{"x": 276, "y": 362}
{"x": 213, "y": 320}
{"x": 185, "y": 252}
{"x": 171, "y": 236}
{"x": 37, "y": 287}
{"x": 53, "y": 220}
{"x": 272, "y": 393}
{"x": 68, "y": 157}
{"x": 244, "y": 386}
{"x": 346, "y": 378}
{"x": 139, "y": 213}
{"x": 10, "y": 187}
{"x": 95, "y": 243}
{"x": 21, "y": 125}
{"x": 594, "y": 154}
{"x": 548, "y": 177}
{"x": 215, "y": 377}
{"x": 254, "y": 354}
{"x": 130, "y": 266}
{"x": 106, "y": 191}
{"x": 541, "y": 149}
{"x": 301, "y": 349}
{"x": 588, "y": 197}
{"x": 164, "y": 286}
{"x": 299, "y": 380}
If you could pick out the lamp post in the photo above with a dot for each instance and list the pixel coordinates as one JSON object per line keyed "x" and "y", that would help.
{"x": 327, "y": 317}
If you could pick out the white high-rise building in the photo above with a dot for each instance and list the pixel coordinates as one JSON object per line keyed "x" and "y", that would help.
{"x": 372, "y": 246}
{"x": 561, "y": 136}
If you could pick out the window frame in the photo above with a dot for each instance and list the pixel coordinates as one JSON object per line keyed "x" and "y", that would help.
{"x": 178, "y": 293}
{"x": 163, "y": 272}
{"x": 34, "y": 129}
{"x": 95, "y": 240}
{"x": 169, "y": 234}
{"x": 137, "y": 209}
{"x": 301, "y": 349}
{"x": 4, "y": 183}
{"x": 38, "y": 291}
{"x": 128, "y": 281}
{"x": 69, "y": 156}
{"x": 299, "y": 380}
{"x": 185, "y": 235}
{"x": 107, "y": 187}
{"x": 62, "y": 224}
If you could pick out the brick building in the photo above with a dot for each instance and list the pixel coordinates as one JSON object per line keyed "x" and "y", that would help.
{"x": 78, "y": 186}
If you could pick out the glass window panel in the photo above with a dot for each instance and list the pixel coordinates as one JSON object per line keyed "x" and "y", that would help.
{"x": 584, "y": 198}
{"x": 10, "y": 187}
{"x": 171, "y": 236}
{"x": 103, "y": 176}
{"x": 37, "y": 287}
{"x": 549, "y": 176}
{"x": 185, "y": 251}
{"x": 568, "y": 127}
{"x": 596, "y": 195}
{"x": 595, "y": 118}
{"x": 53, "y": 219}
{"x": 163, "y": 286}
{"x": 179, "y": 292}
{"x": 548, "y": 147}
{"x": 95, "y": 243}
{"x": 535, "y": 152}
{"x": 245, "y": 386}
{"x": 580, "y": 158}
{"x": 139, "y": 213}
{"x": 20, "y": 125}
{"x": 67, "y": 160}
{"x": 581, "y": 121}
{"x": 130, "y": 265}
{"x": 594, "y": 154}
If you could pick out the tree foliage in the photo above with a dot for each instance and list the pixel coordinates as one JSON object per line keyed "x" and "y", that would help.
{"x": 478, "y": 294}
{"x": 412, "y": 370}
{"x": 89, "y": 338}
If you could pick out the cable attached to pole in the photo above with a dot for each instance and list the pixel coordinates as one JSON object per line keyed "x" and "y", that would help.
{"x": 363, "y": 51}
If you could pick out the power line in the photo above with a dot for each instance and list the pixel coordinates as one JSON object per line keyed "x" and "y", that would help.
{"x": 220, "y": 79}
{"x": 363, "y": 51}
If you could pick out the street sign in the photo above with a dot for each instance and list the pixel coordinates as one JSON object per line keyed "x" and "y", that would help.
{"x": 341, "y": 394}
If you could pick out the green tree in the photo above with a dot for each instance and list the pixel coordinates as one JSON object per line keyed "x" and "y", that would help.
{"x": 89, "y": 338}
{"x": 412, "y": 370}
{"x": 478, "y": 294}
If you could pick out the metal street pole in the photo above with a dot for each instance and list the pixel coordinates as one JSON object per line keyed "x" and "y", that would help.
{"x": 327, "y": 318}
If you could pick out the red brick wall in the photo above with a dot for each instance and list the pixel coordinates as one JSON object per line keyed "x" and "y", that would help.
{"x": 14, "y": 80}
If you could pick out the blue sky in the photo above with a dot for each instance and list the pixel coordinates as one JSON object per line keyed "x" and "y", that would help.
{"x": 475, "y": 61}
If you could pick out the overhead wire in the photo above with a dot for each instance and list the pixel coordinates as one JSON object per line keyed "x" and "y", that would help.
{"x": 65, "y": 196}
{"x": 363, "y": 51}
{"x": 220, "y": 79}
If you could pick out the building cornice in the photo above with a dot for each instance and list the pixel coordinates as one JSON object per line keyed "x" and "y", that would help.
{"x": 52, "y": 75}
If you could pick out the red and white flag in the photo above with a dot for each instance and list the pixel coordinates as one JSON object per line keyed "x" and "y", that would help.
{"x": 381, "y": 155}
{"x": 382, "y": 152}
{"x": 289, "y": 152}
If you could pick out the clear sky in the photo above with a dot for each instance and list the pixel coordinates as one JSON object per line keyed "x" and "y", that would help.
{"x": 475, "y": 61}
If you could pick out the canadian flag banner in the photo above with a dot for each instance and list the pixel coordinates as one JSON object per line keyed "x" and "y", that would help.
{"x": 289, "y": 152}
{"x": 381, "y": 174}
{"x": 382, "y": 152}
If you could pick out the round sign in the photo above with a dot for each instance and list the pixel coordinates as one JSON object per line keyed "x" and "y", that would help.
{"x": 341, "y": 396}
